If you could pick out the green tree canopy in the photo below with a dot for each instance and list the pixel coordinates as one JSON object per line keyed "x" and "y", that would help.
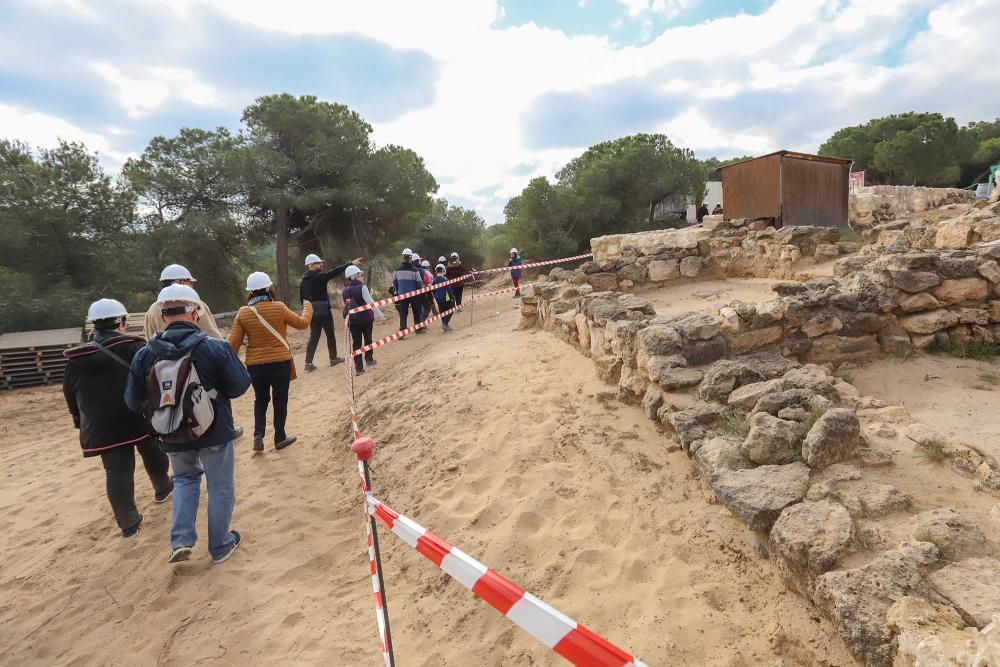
{"x": 445, "y": 229}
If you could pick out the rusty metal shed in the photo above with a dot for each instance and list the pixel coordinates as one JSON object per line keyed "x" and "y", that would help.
{"x": 793, "y": 188}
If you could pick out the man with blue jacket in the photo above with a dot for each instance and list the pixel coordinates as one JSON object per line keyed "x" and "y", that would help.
{"x": 515, "y": 274}
{"x": 407, "y": 278}
{"x": 221, "y": 371}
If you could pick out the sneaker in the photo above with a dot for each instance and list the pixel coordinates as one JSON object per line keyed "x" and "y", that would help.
{"x": 371, "y": 362}
{"x": 132, "y": 531}
{"x": 336, "y": 360}
{"x": 258, "y": 443}
{"x": 236, "y": 544}
{"x": 422, "y": 331}
{"x": 310, "y": 368}
{"x": 359, "y": 371}
{"x": 237, "y": 432}
{"x": 178, "y": 554}
{"x": 285, "y": 442}
{"x": 165, "y": 496}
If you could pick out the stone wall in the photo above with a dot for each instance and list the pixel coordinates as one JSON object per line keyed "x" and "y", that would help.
{"x": 744, "y": 248}
{"x": 882, "y": 203}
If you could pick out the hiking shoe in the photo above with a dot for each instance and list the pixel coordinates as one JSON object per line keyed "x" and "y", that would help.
{"x": 336, "y": 360}
{"x": 359, "y": 371}
{"x": 165, "y": 496}
{"x": 132, "y": 531}
{"x": 258, "y": 443}
{"x": 310, "y": 368}
{"x": 178, "y": 554}
{"x": 236, "y": 544}
{"x": 285, "y": 442}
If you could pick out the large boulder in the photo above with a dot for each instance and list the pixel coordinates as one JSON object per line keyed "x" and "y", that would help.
{"x": 758, "y": 495}
{"x": 720, "y": 454}
{"x": 857, "y": 600}
{"x": 726, "y": 375}
{"x": 836, "y": 436}
{"x": 808, "y": 539}
{"x": 950, "y": 531}
{"x": 771, "y": 440}
{"x": 972, "y": 586}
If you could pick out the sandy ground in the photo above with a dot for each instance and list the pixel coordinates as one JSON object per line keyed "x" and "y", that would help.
{"x": 707, "y": 296}
{"x": 501, "y": 441}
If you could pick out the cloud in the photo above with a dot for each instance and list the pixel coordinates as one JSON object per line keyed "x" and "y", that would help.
{"x": 489, "y": 107}
{"x": 44, "y": 131}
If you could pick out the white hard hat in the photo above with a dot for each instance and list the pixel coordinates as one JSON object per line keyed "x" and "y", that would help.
{"x": 258, "y": 280}
{"x": 441, "y": 259}
{"x": 454, "y": 255}
{"x": 104, "y": 309}
{"x": 425, "y": 264}
{"x": 414, "y": 256}
{"x": 439, "y": 267}
{"x": 352, "y": 271}
{"x": 407, "y": 251}
{"x": 312, "y": 258}
{"x": 514, "y": 250}
{"x": 175, "y": 272}
{"x": 178, "y": 293}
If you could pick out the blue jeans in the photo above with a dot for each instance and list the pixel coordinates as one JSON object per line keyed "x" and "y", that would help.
{"x": 218, "y": 465}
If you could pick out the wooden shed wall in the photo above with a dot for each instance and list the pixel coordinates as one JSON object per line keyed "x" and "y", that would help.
{"x": 813, "y": 193}
{"x": 753, "y": 189}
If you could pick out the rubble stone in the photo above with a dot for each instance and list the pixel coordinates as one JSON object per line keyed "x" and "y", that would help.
{"x": 771, "y": 440}
{"x": 836, "y": 436}
{"x": 808, "y": 539}
{"x": 759, "y": 494}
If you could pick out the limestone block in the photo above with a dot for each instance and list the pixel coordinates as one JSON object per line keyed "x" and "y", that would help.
{"x": 962, "y": 290}
{"x": 661, "y": 270}
{"x": 690, "y": 267}
{"x": 929, "y": 322}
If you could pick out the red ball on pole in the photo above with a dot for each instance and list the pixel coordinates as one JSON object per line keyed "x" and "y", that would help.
{"x": 363, "y": 448}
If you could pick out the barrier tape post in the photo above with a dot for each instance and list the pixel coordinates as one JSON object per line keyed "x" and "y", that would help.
{"x": 363, "y": 449}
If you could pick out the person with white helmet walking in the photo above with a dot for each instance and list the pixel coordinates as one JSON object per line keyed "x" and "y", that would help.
{"x": 361, "y": 324}
{"x": 263, "y": 323}
{"x": 456, "y": 269}
{"x": 515, "y": 274}
{"x": 430, "y": 305}
{"x": 313, "y": 288}
{"x": 406, "y": 278}
{"x": 175, "y": 274}
{"x": 94, "y": 386}
{"x": 182, "y": 382}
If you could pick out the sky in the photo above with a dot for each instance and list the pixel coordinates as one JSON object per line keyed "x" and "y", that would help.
{"x": 493, "y": 93}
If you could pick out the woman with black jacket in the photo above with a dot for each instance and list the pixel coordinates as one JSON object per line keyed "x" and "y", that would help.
{"x": 94, "y": 387}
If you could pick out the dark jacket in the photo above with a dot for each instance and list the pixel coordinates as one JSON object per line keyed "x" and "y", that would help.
{"x": 218, "y": 367}
{"x": 444, "y": 294}
{"x": 353, "y": 297}
{"x": 407, "y": 278}
{"x": 313, "y": 285}
{"x": 517, "y": 261}
{"x": 455, "y": 269}
{"x": 94, "y": 387}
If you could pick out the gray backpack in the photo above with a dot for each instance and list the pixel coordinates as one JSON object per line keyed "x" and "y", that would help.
{"x": 178, "y": 408}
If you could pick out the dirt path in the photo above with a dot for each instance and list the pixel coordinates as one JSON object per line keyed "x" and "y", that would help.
{"x": 503, "y": 442}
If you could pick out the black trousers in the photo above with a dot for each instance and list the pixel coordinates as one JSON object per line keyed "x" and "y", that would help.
{"x": 403, "y": 308}
{"x": 359, "y": 332}
{"x": 458, "y": 288}
{"x": 320, "y": 324}
{"x": 270, "y": 381}
{"x": 444, "y": 306}
{"x": 119, "y": 473}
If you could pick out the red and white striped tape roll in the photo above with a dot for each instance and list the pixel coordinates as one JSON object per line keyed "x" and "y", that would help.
{"x": 467, "y": 276}
{"x": 413, "y": 327}
{"x": 546, "y": 624}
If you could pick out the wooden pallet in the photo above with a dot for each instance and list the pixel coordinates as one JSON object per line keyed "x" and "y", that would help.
{"x": 33, "y": 358}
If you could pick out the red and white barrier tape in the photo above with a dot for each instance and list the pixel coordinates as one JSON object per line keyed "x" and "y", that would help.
{"x": 413, "y": 327}
{"x": 546, "y": 624}
{"x": 467, "y": 276}
{"x": 377, "y": 591}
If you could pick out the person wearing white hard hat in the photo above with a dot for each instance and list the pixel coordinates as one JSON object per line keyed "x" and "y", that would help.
{"x": 515, "y": 274}
{"x": 444, "y": 296}
{"x": 456, "y": 269}
{"x": 408, "y": 277}
{"x": 222, "y": 377}
{"x": 264, "y": 323}
{"x": 313, "y": 288}
{"x": 430, "y": 305}
{"x": 361, "y": 324}
{"x": 175, "y": 274}
{"x": 94, "y": 387}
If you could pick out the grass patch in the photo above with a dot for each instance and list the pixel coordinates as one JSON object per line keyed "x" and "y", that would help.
{"x": 989, "y": 378}
{"x": 811, "y": 420}
{"x": 905, "y": 353}
{"x": 933, "y": 451}
{"x": 733, "y": 425}
{"x": 974, "y": 349}
{"x": 851, "y": 236}
{"x": 946, "y": 553}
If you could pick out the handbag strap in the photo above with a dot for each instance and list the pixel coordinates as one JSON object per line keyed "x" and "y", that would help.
{"x": 264, "y": 323}
{"x": 111, "y": 354}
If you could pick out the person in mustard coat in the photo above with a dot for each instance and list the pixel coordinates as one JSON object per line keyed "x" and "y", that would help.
{"x": 263, "y": 324}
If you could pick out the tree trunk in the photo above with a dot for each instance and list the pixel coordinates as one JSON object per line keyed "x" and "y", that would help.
{"x": 281, "y": 217}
